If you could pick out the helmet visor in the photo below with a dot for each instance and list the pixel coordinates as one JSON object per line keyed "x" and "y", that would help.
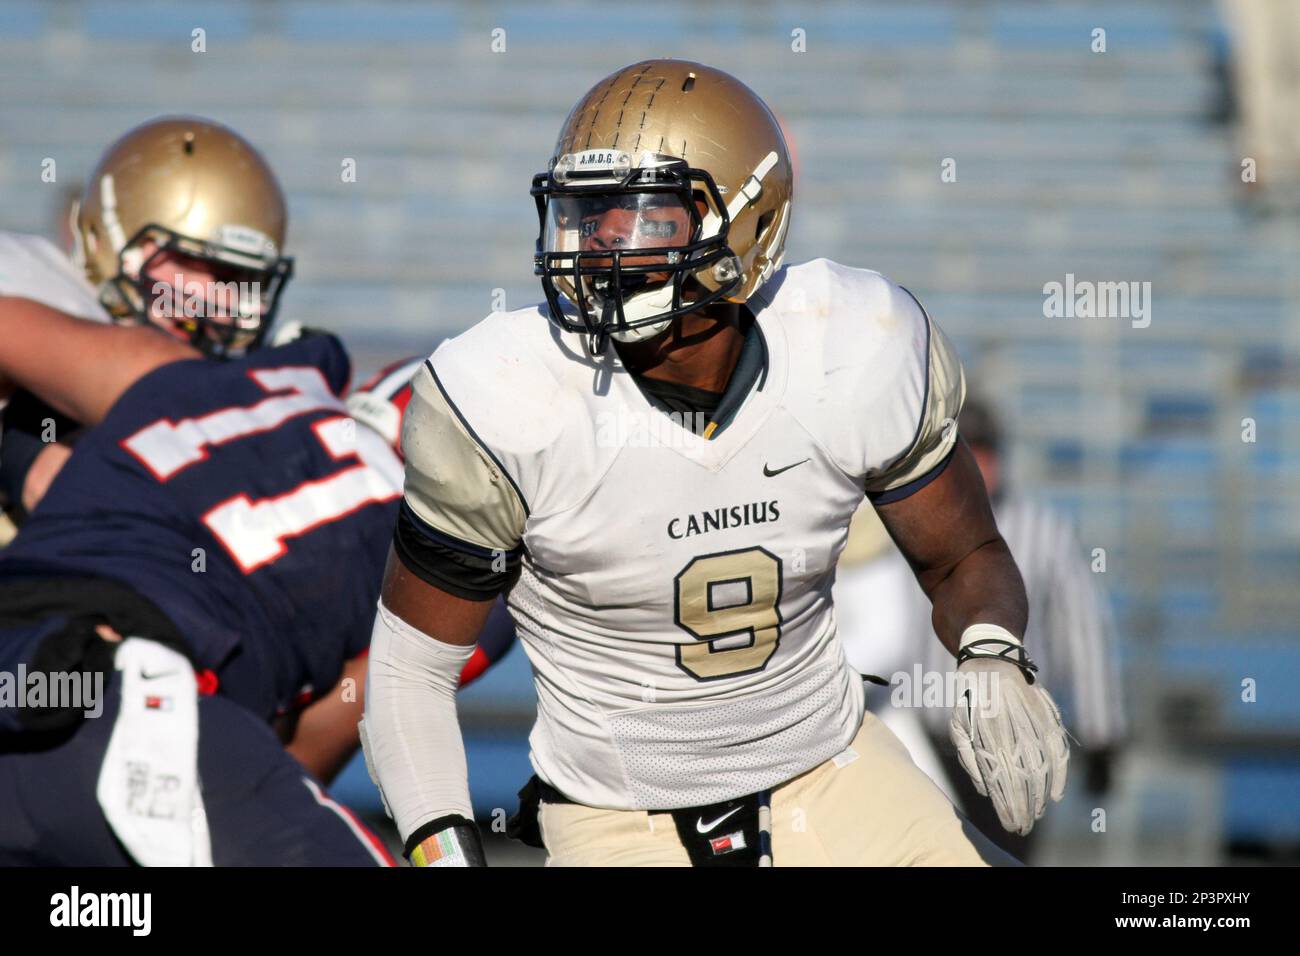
{"x": 634, "y": 239}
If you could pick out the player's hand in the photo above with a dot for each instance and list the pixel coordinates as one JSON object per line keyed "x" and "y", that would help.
{"x": 1007, "y": 731}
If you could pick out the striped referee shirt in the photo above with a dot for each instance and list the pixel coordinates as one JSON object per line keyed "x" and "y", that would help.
{"x": 1071, "y": 633}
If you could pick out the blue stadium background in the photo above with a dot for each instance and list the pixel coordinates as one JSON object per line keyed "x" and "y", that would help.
{"x": 1108, "y": 166}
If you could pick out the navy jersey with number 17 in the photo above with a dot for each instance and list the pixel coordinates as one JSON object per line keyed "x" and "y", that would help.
{"x": 241, "y": 499}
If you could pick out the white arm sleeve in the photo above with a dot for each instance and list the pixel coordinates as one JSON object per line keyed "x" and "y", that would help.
{"x": 410, "y": 732}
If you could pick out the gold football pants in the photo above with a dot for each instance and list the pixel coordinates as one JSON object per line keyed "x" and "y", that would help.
{"x": 868, "y": 806}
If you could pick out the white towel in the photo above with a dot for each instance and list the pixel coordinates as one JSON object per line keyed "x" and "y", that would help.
{"x": 149, "y": 782}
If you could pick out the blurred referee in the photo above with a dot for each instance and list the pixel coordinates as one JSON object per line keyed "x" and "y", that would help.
{"x": 1070, "y": 634}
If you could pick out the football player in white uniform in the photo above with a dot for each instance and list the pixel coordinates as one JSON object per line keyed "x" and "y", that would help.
{"x": 658, "y": 467}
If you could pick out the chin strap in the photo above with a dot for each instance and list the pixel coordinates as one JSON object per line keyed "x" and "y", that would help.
{"x": 597, "y": 340}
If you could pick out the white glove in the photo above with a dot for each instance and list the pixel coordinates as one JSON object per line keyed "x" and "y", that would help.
{"x": 1007, "y": 731}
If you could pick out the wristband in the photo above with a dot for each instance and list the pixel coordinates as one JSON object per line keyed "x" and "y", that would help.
{"x": 446, "y": 841}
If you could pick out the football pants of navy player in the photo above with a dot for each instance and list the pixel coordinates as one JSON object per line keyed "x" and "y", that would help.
{"x": 263, "y": 808}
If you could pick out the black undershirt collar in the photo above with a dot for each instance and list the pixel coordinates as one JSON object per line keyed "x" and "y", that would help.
{"x": 678, "y": 398}
{"x": 707, "y": 412}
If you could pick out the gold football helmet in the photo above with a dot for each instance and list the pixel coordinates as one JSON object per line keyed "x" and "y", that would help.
{"x": 190, "y": 189}
{"x": 669, "y": 189}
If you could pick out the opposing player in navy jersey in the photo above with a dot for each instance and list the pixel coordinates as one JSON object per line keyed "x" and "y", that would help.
{"x": 181, "y": 225}
{"x": 228, "y": 519}
{"x": 225, "y": 519}
{"x": 160, "y": 214}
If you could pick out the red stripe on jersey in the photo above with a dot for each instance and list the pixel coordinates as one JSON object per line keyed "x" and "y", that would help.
{"x": 474, "y": 667}
{"x": 402, "y": 398}
{"x": 359, "y": 829}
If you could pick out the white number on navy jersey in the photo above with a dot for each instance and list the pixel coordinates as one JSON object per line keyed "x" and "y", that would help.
{"x": 254, "y": 532}
{"x": 167, "y": 447}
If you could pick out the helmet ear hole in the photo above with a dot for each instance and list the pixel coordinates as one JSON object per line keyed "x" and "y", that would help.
{"x": 764, "y": 221}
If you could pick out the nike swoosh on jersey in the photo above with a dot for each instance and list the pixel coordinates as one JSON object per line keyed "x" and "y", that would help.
{"x": 701, "y": 827}
{"x": 769, "y": 472}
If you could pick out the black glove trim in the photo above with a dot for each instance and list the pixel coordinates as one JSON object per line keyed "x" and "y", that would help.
{"x": 1009, "y": 652}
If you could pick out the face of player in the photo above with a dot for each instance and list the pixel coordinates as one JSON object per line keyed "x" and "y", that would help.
{"x": 182, "y": 288}
{"x": 635, "y": 222}
{"x": 631, "y": 224}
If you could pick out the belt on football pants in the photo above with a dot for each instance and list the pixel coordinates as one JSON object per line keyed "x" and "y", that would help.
{"x": 736, "y": 832}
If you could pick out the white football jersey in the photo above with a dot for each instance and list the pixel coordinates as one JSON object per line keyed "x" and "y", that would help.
{"x": 33, "y": 268}
{"x": 674, "y": 592}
